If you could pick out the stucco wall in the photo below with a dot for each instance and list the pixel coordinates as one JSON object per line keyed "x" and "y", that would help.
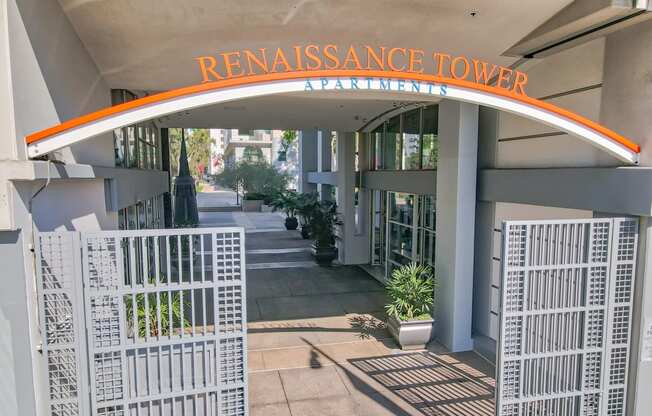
{"x": 627, "y": 97}
{"x": 572, "y": 80}
{"x": 54, "y": 78}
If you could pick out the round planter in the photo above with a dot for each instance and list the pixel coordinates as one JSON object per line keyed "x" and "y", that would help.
{"x": 324, "y": 256}
{"x": 411, "y": 335}
{"x": 305, "y": 231}
{"x": 291, "y": 223}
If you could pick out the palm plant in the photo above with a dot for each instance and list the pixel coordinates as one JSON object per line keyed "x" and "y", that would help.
{"x": 170, "y": 310}
{"x": 286, "y": 202}
{"x": 306, "y": 205}
{"x": 323, "y": 222}
{"x": 411, "y": 292}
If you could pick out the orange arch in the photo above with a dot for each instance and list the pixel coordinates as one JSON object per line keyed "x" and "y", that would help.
{"x": 294, "y": 75}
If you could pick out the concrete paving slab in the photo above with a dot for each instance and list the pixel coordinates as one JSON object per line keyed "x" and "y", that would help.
{"x": 271, "y": 258}
{"x": 297, "y": 307}
{"x": 361, "y": 302}
{"x": 295, "y": 357}
{"x": 266, "y": 388}
{"x": 332, "y": 406}
{"x": 261, "y": 286}
{"x": 312, "y": 383}
{"x": 278, "y": 409}
{"x": 260, "y": 339}
{"x": 255, "y": 361}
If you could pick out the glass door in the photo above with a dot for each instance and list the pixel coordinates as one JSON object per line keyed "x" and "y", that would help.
{"x": 401, "y": 231}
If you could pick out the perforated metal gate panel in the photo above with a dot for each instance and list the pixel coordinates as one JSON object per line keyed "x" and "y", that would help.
{"x": 164, "y": 319}
{"x": 59, "y": 284}
{"x": 566, "y": 316}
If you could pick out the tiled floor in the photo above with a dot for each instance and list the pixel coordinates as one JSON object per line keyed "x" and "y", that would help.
{"x": 318, "y": 345}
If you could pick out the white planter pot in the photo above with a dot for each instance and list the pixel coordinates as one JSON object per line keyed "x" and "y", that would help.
{"x": 411, "y": 335}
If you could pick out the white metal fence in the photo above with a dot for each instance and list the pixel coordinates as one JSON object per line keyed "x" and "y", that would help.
{"x": 566, "y": 316}
{"x": 164, "y": 318}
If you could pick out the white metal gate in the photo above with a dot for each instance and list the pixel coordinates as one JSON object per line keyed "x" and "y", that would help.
{"x": 163, "y": 316}
{"x": 566, "y": 316}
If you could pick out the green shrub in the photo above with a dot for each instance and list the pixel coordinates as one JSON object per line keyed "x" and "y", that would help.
{"x": 411, "y": 292}
{"x": 254, "y": 178}
{"x": 255, "y": 196}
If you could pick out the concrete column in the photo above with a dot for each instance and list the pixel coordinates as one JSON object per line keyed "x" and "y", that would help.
{"x": 640, "y": 374}
{"x": 456, "y": 181}
{"x": 353, "y": 245}
{"x": 324, "y": 161}
{"x": 307, "y": 159}
{"x": 485, "y": 321}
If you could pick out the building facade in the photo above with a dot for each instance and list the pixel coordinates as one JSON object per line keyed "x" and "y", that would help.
{"x": 425, "y": 163}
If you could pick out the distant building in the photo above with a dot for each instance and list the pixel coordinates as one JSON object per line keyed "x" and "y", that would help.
{"x": 250, "y": 145}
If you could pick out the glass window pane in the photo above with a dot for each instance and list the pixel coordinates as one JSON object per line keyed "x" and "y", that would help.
{"x": 122, "y": 219}
{"x": 430, "y": 119}
{"x": 392, "y": 144}
{"x": 400, "y": 246}
{"x": 142, "y": 219}
{"x": 401, "y": 208}
{"x": 133, "y": 152}
{"x": 428, "y": 209}
{"x": 149, "y": 216}
{"x": 430, "y": 144}
{"x": 410, "y": 146}
{"x": 378, "y": 213}
{"x": 119, "y": 147}
{"x": 333, "y": 151}
{"x": 428, "y": 255}
{"x": 132, "y": 218}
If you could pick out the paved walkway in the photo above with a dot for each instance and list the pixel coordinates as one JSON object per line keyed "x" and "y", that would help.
{"x": 318, "y": 345}
{"x": 213, "y": 196}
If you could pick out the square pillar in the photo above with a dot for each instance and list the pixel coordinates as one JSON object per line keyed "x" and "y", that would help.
{"x": 307, "y": 159}
{"x": 455, "y": 223}
{"x": 640, "y": 364}
{"x": 324, "y": 162}
{"x": 353, "y": 244}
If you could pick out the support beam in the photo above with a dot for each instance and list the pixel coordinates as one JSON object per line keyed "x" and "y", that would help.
{"x": 622, "y": 191}
{"x": 455, "y": 224}
{"x": 307, "y": 159}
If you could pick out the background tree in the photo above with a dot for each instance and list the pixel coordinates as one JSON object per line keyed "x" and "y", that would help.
{"x": 252, "y": 154}
{"x": 198, "y": 144}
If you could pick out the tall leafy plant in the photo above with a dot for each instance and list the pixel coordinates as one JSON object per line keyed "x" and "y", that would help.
{"x": 323, "y": 222}
{"x": 411, "y": 292}
{"x": 287, "y": 202}
{"x": 307, "y": 203}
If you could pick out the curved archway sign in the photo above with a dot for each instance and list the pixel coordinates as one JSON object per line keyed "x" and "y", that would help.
{"x": 244, "y": 74}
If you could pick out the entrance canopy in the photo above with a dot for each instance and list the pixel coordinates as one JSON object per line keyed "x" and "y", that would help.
{"x": 390, "y": 83}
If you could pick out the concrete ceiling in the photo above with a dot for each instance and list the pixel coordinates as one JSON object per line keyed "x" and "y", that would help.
{"x": 151, "y": 44}
{"x": 340, "y": 111}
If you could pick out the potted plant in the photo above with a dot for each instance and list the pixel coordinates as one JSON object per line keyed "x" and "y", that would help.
{"x": 322, "y": 228}
{"x": 252, "y": 202}
{"x": 411, "y": 297}
{"x": 306, "y": 205}
{"x": 287, "y": 202}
